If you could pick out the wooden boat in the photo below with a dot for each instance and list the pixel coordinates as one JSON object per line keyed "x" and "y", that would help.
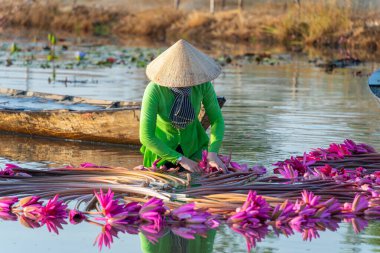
{"x": 73, "y": 117}
{"x": 374, "y": 83}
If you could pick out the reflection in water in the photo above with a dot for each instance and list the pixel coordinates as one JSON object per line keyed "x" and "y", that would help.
{"x": 42, "y": 152}
{"x": 198, "y": 238}
{"x": 172, "y": 242}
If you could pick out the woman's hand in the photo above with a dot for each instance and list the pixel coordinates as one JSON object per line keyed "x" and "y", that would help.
{"x": 214, "y": 161}
{"x": 190, "y": 165}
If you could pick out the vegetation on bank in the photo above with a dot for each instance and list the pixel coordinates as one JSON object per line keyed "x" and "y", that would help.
{"x": 310, "y": 24}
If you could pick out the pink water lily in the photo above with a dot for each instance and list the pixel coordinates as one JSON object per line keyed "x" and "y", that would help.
{"x": 288, "y": 172}
{"x": 310, "y": 233}
{"x": 203, "y": 163}
{"x": 110, "y": 207}
{"x": 358, "y": 148}
{"x": 76, "y": 216}
{"x": 90, "y": 165}
{"x": 54, "y": 209}
{"x": 251, "y": 235}
{"x": 8, "y": 216}
{"x": 357, "y": 207}
{"x": 253, "y": 213}
{"x": 152, "y": 212}
{"x": 282, "y": 213}
{"x": 187, "y": 214}
{"x": 28, "y": 222}
{"x": 30, "y": 201}
{"x": 358, "y": 224}
{"x": 151, "y": 233}
{"x": 53, "y": 224}
{"x": 6, "y": 203}
{"x": 31, "y": 207}
{"x": 105, "y": 238}
{"x": 189, "y": 231}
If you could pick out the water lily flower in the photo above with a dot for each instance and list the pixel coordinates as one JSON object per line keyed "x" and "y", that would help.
{"x": 258, "y": 169}
{"x": 225, "y": 159}
{"x": 310, "y": 233}
{"x": 30, "y": 201}
{"x": 282, "y": 213}
{"x": 337, "y": 151}
{"x": 299, "y": 164}
{"x": 76, "y": 216}
{"x": 151, "y": 233}
{"x": 54, "y": 209}
{"x": 358, "y": 224}
{"x": 251, "y": 235}
{"x": 8, "y": 216}
{"x": 6, "y": 203}
{"x": 31, "y": 207}
{"x": 110, "y": 207}
{"x": 358, "y": 148}
{"x": 29, "y": 223}
{"x": 187, "y": 214}
{"x": 189, "y": 231}
{"x": 91, "y": 165}
{"x": 288, "y": 172}
{"x": 357, "y": 207}
{"x": 253, "y": 213}
{"x": 155, "y": 205}
{"x": 152, "y": 212}
{"x": 310, "y": 198}
{"x": 53, "y": 224}
{"x": 203, "y": 163}
{"x": 105, "y": 238}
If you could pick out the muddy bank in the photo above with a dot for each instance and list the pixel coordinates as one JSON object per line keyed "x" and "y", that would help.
{"x": 293, "y": 26}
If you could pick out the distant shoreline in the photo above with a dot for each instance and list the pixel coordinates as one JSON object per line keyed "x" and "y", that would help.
{"x": 312, "y": 25}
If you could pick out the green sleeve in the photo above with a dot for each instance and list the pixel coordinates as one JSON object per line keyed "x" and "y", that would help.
{"x": 148, "y": 120}
{"x": 214, "y": 113}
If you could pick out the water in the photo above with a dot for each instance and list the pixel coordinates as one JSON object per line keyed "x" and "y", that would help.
{"x": 272, "y": 112}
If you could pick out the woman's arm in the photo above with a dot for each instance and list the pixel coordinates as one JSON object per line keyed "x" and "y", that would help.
{"x": 214, "y": 113}
{"x": 148, "y": 120}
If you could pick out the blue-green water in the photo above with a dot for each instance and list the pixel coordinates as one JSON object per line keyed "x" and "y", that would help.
{"x": 272, "y": 112}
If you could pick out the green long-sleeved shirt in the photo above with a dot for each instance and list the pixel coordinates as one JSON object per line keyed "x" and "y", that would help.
{"x": 160, "y": 138}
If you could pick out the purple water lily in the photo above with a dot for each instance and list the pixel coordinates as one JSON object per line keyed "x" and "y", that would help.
{"x": 251, "y": 235}
{"x": 358, "y": 205}
{"x": 152, "y": 212}
{"x": 151, "y": 232}
{"x": 203, "y": 163}
{"x": 282, "y": 213}
{"x": 189, "y": 231}
{"x": 187, "y": 214}
{"x": 253, "y": 213}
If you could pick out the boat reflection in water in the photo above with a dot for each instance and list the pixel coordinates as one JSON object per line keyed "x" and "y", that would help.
{"x": 44, "y": 152}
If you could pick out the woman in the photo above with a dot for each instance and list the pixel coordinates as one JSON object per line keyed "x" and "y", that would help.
{"x": 169, "y": 126}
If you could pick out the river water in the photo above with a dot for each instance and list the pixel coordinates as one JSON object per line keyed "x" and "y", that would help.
{"x": 272, "y": 112}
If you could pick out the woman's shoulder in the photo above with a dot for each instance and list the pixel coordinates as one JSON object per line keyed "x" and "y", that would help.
{"x": 203, "y": 86}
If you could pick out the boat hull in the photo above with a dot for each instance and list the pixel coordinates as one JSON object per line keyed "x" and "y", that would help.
{"x": 112, "y": 126}
{"x": 117, "y": 122}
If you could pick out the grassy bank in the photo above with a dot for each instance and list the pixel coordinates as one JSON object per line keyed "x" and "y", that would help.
{"x": 312, "y": 24}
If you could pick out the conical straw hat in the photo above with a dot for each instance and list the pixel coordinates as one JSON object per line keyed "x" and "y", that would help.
{"x": 182, "y": 65}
